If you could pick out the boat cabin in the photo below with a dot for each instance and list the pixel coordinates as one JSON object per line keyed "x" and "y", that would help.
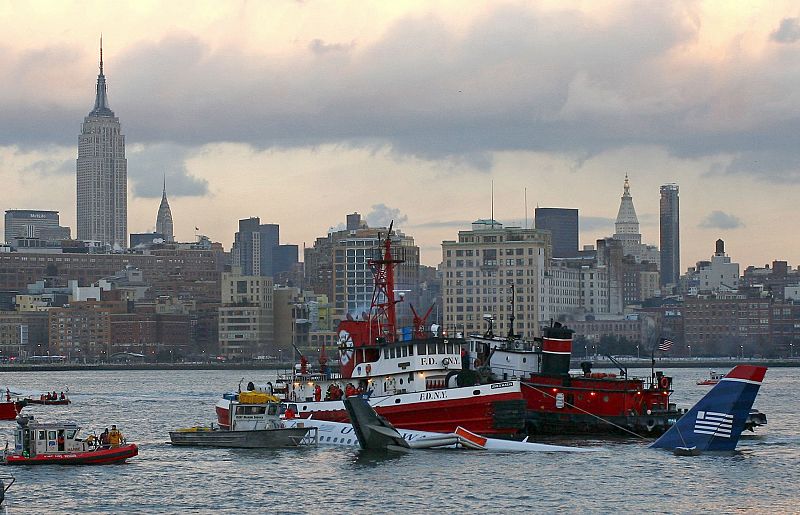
{"x": 35, "y": 438}
{"x": 253, "y": 411}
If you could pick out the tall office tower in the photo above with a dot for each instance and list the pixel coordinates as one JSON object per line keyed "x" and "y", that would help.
{"x": 164, "y": 218}
{"x": 102, "y": 173}
{"x": 670, "y": 235}
{"x": 254, "y": 245}
{"x": 26, "y": 223}
{"x": 479, "y": 270}
{"x": 563, "y": 226}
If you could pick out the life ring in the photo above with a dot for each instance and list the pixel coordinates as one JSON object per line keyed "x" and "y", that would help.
{"x": 664, "y": 382}
{"x": 477, "y": 363}
{"x": 369, "y": 369}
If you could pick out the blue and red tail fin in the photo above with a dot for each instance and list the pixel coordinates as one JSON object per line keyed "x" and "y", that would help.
{"x": 716, "y": 422}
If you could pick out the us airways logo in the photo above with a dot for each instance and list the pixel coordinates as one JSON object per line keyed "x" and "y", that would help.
{"x": 713, "y": 423}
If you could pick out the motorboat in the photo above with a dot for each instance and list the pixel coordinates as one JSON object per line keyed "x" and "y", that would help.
{"x": 713, "y": 378}
{"x": 37, "y": 443}
{"x": 254, "y": 422}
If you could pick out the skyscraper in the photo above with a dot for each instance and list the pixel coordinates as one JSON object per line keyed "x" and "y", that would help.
{"x": 670, "y": 235}
{"x": 563, "y": 226}
{"x": 164, "y": 218}
{"x": 253, "y": 246}
{"x": 102, "y": 173}
{"x": 626, "y": 230}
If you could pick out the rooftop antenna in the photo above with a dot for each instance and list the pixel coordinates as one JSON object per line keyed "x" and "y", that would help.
{"x": 526, "y": 208}
{"x": 492, "y": 203}
{"x": 101, "y": 53}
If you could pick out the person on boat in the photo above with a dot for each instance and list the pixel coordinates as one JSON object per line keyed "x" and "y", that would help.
{"x": 289, "y": 414}
{"x": 317, "y": 393}
{"x": 349, "y": 390}
{"x": 55, "y": 396}
{"x": 104, "y": 438}
{"x": 8, "y": 395}
{"x": 60, "y": 440}
{"x": 114, "y": 436}
{"x": 90, "y": 441}
{"x": 63, "y": 396}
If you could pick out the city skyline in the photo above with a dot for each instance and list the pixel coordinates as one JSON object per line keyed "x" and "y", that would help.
{"x": 234, "y": 107}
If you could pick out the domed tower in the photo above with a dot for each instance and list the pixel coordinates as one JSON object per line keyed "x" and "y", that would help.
{"x": 627, "y": 225}
{"x": 164, "y": 218}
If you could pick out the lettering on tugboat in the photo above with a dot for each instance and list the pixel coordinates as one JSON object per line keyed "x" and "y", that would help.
{"x": 427, "y": 361}
{"x": 501, "y": 385}
{"x": 432, "y": 396}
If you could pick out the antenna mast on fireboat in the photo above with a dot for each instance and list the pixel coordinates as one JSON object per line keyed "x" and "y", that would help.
{"x": 382, "y": 312}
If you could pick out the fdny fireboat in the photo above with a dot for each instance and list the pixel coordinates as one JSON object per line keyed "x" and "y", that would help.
{"x": 415, "y": 381}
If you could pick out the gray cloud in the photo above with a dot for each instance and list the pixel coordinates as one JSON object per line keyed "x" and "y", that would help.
{"x": 382, "y": 215}
{"x": 788, "y": 31}
{"x": 443, "y": 224}
{"x": 150, "y": 165}
{"x": 517, "y": 79}
{"x": 596, "y": 223}
{"x": 721, "y": 220}
{"x": 319, "y": 47}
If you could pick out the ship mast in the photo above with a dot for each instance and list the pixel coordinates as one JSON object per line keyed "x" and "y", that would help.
{"x": 382, "y": 313}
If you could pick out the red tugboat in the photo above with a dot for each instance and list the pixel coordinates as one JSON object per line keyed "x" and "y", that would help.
{"x": 59, "y": 444}
{"x": 558, "y": 402}
{"x": 416, "y": 383}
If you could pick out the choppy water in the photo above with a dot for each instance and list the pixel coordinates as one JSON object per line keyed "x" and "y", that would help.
{"x": 623, "y": 476}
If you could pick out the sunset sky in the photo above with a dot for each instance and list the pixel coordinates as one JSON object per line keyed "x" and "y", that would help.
{"x": 300, "y": 112}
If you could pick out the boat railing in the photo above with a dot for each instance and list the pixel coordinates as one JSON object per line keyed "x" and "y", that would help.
{"x": 311, "y": 437}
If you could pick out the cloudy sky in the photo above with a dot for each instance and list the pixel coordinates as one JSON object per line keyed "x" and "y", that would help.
{"x": 300, "y": 112}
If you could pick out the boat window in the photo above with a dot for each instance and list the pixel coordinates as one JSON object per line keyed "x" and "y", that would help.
{"x": 273, "y": 409}
{"x": 421, "y": 349}
{"x": 404, "y": 351}
{"x": 42, "y": 435}
{"x": 51, "y": 435}
{"x": 410, "y": 350}
{"x": 386, "y": 352}
{"x": 440, "y": 348}
{"x": 392, "y": 352}
{"x": 432, "y": 348}
{"x": 71, "y": 434}
{"x": 259, "y": 410}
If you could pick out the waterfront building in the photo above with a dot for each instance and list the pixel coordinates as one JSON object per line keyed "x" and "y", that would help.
{"x": 670, "y": 236}
{"x": 164, "y": 218}
{"x": 719, "y": 274}
{"x": 34, "y": 224}
{"x": 563, "y": 226}
{"x": 246, "y": 315}
{"x": 102, "y": 173}
{"x": 23, "y": 333}
{"x": 727, "y": 324}
{"x": 478, "y": 272}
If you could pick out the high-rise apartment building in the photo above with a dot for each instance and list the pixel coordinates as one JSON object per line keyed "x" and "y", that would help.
{"x": 246, "y": 316}
{"x": 254, "y": 245}
{"x": 338, "y": 266}
{"x": 479, "y": 270}
{"x": 164, "y": 217}
{"x": 563, "y": 226}
{"x": 102, "y": 173}
{"x": 670, "y": 235}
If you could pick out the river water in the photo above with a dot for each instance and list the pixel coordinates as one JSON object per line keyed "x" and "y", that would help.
{"x": 623, "y": 475}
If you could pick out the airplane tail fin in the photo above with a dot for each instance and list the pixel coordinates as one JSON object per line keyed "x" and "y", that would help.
{"x": 716, "y": 422}
{"x": 373, "y": 431}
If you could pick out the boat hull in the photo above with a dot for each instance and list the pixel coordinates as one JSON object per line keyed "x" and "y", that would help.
{"x": 10, "y": 410}
{"x": 256, "y": 439}
{"x": 57, "y": 402}
{"x": 493, "y": 409}
{"x": 579, "y": 405}
{"x": 97, "y": 457}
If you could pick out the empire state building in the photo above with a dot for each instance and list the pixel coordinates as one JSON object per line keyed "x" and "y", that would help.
{"x": 102, "y": 173}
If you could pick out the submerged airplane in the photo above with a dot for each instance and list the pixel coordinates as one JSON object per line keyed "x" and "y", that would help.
{"x": 716, "y": 422}
{"x": 369, "y": 422}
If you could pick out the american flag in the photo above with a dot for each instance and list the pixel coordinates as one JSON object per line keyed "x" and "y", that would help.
{"x": 665, "y": 345}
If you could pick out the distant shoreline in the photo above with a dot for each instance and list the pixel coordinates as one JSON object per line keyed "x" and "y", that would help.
{"x": 713, "y": 363}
